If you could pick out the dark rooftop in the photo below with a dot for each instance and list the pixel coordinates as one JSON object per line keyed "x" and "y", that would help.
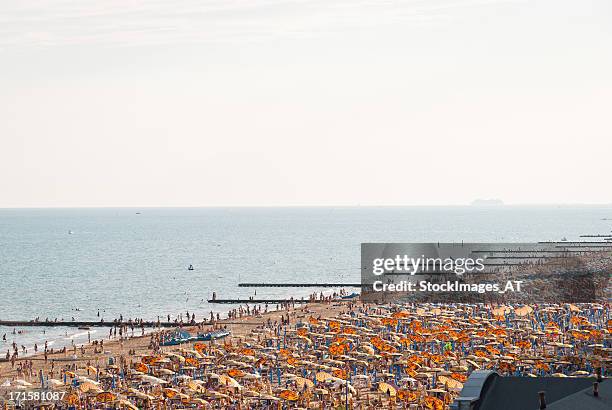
{"x": 486, "y": 390}
{"x": 584, "y": 399}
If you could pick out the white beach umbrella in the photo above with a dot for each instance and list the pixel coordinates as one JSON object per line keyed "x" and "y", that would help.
{"x": 152, "y": 379}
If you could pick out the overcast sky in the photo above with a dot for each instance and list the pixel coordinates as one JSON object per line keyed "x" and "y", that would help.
{"x": 291, "y": 102}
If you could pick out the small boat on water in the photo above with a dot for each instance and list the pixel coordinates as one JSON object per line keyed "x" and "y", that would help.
{"x": 190, "y": 267}
{"x": 351, "y": 296}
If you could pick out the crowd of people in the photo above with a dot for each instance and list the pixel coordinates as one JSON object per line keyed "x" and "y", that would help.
{"x": 349, "y": 354}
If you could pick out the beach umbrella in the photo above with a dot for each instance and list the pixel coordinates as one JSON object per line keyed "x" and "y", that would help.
{"x": 192, "y": 352}
{"x": 268, "y": 397}
{"x": 367, "y": 349}
{"x": 199, "y": 347}
{"x": 247, "y": 352}
{"x": 433, "y": 403}
{"x": 463, "y": 368}
{"x": 139, "y": 395}
{"x": 89, "y": 387}
{"x": 141, "y": 367}
{"x": 105, "y": 397}
{"x": 341, "y": 374}
{"x": 126, "y": 404}
{"x": 301, "y": 382}
{"x": 194, "y": 385}
{"x": 407, "y": 395}
{"x": 323, "y": 376}
{"x": 150, "y": 359}
{"x": 183, "y": 377}
{"x": 176, "y": 356}
{"x": 71, "y": 398}
{"x": 450, "y": 383}
{"x": 250, "y": 393}
{"x": 218, "y": 395}
{"x": 170, "y": 392}
{"x": 288, "y": 395}
{"x": 229, "y": 382}
{"x": 201, "y": 402}
{"x": 459, "y": 377}
{"x": 236, "y": 373}
{"x": 152, "y": 379}
{"x": 523, "y": 311}
{"x": 387, "y": 389}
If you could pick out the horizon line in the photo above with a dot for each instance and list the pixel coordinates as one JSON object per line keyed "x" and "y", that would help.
{"x": 465, "y": 205}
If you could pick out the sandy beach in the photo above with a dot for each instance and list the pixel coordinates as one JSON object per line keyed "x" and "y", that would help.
{"x": 113, "y": 347}
{"x": 337, "y": 354}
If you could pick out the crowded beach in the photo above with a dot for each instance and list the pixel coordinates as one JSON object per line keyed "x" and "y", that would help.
{"x": 334, "y": 353}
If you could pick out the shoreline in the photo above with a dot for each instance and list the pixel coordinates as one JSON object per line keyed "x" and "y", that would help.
{"x": 239, "y": 327}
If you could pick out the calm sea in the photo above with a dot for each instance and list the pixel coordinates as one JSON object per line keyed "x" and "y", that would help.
{"x": 65, "y": 263}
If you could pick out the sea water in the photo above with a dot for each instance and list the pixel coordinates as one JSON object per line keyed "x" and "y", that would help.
{"x": 75, "y": 263}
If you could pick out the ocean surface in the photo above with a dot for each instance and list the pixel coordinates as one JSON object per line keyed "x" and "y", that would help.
{"x": 74, "y": 263}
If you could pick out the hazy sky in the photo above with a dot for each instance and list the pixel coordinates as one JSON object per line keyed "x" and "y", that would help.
{"x": 292, "y": 102}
